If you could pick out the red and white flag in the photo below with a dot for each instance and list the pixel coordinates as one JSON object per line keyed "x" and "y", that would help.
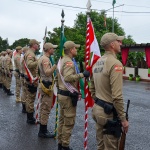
{"x": 37, "y": 114}
{"x": 92, "y": 54}
{"x": 29, "y": 74}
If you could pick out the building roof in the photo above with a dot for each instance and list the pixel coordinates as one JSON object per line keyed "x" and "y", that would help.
{"x": 142, "y": 45}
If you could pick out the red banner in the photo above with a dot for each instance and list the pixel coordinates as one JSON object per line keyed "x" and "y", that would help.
{"x": 147, "y": 52}
{"x": 124, "y": 54}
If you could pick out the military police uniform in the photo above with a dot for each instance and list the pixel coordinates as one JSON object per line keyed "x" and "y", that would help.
{"x": 0, "y": 70}
{"x": 4, "y": 64}
{"x": 67, "y": 110}
{"x": 17, "y": 74}
{"x": 32, "y": 64}
{"x": 106, "y": 89}
{"x": 46, "y": 89}
{"x": 23, "y": 85}
{"x": 3, "y": 71}
{"x": 9, "y": 69}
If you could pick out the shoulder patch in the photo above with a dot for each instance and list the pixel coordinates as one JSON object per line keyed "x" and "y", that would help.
{"x": 46, "y": 62}
{"x": 118, "y": 68}
{"x": 29, "y": 56}
{"x": 69, "y": 64}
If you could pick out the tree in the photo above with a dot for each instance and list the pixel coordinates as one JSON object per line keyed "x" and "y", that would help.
{"x": 3, "y": 44}
{"x": 78, "y": 32}
{"x": 70, "y": 34}
{"x": 21, "y": 42}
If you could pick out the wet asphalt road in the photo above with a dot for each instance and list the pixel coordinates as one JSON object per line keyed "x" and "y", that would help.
{"x": 16, "y": 134}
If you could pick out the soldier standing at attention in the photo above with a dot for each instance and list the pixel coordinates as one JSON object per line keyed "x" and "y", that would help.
{"x": 9, "y": 69}
{"x": 0, "y": 70}
{"x": 1, "y": 66}
{"x": 46, "y": 88}
{"x": 4, "y": 64}
{"x": 32, "y": 64}
{"x": 106, "y": 89}
{"x": 4, "y": 72}
{"x": 23, "y": 85}
{"x": 17, "y": 72}
{"x": 65, "y": 97}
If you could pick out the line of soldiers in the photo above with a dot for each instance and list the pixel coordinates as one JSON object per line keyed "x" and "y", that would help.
{"x": 6, "y": 68}
{"x": 28, "y": 69}
{"x": 106, "y": 89}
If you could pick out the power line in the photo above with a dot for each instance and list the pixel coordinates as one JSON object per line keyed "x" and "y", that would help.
{"x": 75, "y": 7}
{"x": 31, "y": 2}
{"x": 124, "y": 4}
{"x": 57, "y": 4}
{"x": 50, "y": 3}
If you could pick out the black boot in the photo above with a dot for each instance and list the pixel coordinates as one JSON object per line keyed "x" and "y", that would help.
{"x": 59, "y": 146}
{"x": 44, "y": 133}
{"x": 30, "y": 118}
{"x": 9, "y": 92}
{"x": 24, "y": 108}
{"x": 4, "y": 89}
{"x": 66, "y": 148}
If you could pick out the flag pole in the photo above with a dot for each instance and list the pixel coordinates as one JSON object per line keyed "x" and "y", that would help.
{"x": 86, "y": 85}
{"x": 62, "y": 32}
{"x": 113, "y": 3}
{"x": 56, "y": 119}
{"x": 113, "y": 20}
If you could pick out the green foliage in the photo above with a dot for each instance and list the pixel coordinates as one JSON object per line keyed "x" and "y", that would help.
{"x": 3, "y": 44}
{"x": 128, "y": 40}
{"x": 21, "y": 42}
{"x": 130, "y": 75}
{"x": 135, "y": 58}
{"x": 78, "y": 32}
{"x": 137, "y": 76}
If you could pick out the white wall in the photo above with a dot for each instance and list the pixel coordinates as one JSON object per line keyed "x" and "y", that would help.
{"x": 128, "y": 71}
{"x": 143, "y": 73}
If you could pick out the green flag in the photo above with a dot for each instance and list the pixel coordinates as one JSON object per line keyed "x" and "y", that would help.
{"x": 62, "y": 41}
{"x": 114, "y": 2}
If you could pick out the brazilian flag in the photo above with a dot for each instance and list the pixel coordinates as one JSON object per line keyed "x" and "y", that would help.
{"x": 62, "y": 41}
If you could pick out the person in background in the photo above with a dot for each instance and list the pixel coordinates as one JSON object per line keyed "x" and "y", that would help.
{"x": 17, "y": 72}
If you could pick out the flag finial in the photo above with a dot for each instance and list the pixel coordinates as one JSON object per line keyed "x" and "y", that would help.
{"x": 45, "y": 30}
{"x": 44, "y": 39}
{"x": 63, "y": 15}
{"x": 88, "y": 5}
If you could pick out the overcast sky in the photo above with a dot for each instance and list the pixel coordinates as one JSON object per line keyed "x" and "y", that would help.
{"x": 26, "y": 19}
